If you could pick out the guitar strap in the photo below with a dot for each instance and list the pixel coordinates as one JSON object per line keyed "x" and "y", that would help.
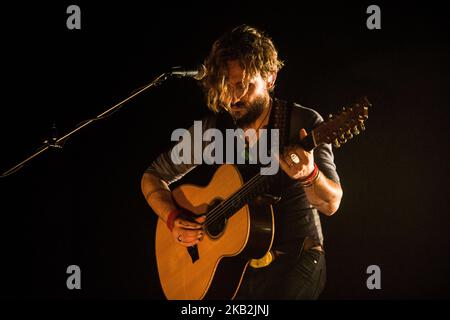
{"x": 289, "y": 121}
{"x": 280, "y": 119}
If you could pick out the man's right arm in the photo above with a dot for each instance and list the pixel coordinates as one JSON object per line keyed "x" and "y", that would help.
{"x": 158, "y": 195}
{"x": 155, "y": 187}
{"x": 163, "y": 171}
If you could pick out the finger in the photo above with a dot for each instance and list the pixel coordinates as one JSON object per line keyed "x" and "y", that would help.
{"x": 193, "y": 237}
{"x": 285, "y": 166}
{"x": 304, "y": 156}
{"x": 201, "y": 219}
{"x": 281, "y": 161}
{"x": 287, "y": 158}
{"x": 187, "y": 224}
{"x": 288, "y": 151}
{"x": 296, "y": 158}
{"x": 297, "y": 175}
{"x": 186, "y": 241}
{"x": 188, "y": 234}
{"x": 306, "y": 159}
{"x": 189, "y": 240}
{"x": 188, "y": 244}
{"x": 303, "y": 133}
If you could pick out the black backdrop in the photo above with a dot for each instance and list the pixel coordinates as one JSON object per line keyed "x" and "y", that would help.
{"x": 83, "y": 206}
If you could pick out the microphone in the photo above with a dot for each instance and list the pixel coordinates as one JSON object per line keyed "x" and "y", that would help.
{"x": 198, "y": 72}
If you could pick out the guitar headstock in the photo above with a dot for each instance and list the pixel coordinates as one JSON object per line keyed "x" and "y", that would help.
{"x": 343, "y": 126}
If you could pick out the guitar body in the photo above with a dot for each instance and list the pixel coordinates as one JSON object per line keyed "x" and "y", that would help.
{"x": 215, "y": 267}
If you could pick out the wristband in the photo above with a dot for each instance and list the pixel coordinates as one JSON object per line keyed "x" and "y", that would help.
{"x": 309, "y": 180}
{"x": 171, "y": 218}
{"x": 307, "y": 185}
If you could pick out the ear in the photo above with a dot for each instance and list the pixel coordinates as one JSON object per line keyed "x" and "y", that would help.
{"x": 270, "y": 81}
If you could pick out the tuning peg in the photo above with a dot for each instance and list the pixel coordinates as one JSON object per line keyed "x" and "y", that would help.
{"x": 355, "y": 130}
{"x": 343, "y": 109}
{"x": 366, "y": 109}
{"x": 361, "y": 126}
{"x": 336, "y": 143}
{"x": 348, "y": 134}
{"x": 330, "y": 116}
{"x": 342, "y": 141}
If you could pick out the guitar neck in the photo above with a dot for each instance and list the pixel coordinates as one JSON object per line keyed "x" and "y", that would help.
{"x": 257, "y": 185}
{"x": 337, "y": 130}
{"x": 308, "y": 143}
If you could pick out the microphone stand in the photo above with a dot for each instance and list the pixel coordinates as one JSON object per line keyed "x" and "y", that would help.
{"x": 58, "y": 143}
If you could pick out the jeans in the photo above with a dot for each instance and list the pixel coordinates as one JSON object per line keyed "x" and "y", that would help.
{"x": 288, "y": 277}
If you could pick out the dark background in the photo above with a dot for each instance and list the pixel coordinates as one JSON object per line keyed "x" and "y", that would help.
{"x": 83, "y": 206}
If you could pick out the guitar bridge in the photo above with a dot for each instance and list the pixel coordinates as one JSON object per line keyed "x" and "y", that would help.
{"x": 193, "y": 252}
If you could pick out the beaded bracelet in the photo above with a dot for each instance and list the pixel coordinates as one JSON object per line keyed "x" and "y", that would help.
{"x": 309, "y": 180}
{"x": 307, "y": 185}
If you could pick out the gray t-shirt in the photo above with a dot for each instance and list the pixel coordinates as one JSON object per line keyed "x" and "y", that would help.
{"x": 295, "y": 218}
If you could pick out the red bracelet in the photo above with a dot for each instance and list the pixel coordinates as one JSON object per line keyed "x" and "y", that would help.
{"x": 312, "y": 176}
{"x": 171, "y": 218}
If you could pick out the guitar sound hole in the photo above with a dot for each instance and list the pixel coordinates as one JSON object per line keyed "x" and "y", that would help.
{"x": 217, "y": 223}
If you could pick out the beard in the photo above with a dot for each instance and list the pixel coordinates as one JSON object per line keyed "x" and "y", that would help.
{"x": 252, "y": 111}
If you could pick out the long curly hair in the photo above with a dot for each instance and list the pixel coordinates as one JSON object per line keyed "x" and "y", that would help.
{"x": 255, "y": 52}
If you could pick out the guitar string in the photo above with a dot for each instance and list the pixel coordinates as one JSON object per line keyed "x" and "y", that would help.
{"x": 228, "y": 204}
{"x": 231, "y": 202}
{"x": 217, "y": 212}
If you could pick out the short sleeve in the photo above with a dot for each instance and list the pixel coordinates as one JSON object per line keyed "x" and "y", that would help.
{"x": 168, "y": 165}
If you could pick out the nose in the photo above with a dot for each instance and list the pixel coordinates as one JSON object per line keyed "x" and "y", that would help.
{"x": 234, "y": 98}
{"x": 237, "y": 94}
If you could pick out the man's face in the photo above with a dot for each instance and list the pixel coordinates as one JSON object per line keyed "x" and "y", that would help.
{"x": 247, "y": 102}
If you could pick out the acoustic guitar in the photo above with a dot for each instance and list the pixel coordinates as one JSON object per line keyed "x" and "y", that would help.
{"x": 239, "y": 223}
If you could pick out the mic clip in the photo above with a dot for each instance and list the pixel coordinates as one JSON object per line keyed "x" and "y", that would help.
{"x": 53, "y": 142}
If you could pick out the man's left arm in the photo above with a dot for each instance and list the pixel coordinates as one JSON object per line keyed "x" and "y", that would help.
{"x": 321, "y": 191}
{"x": 325, "y": 195}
